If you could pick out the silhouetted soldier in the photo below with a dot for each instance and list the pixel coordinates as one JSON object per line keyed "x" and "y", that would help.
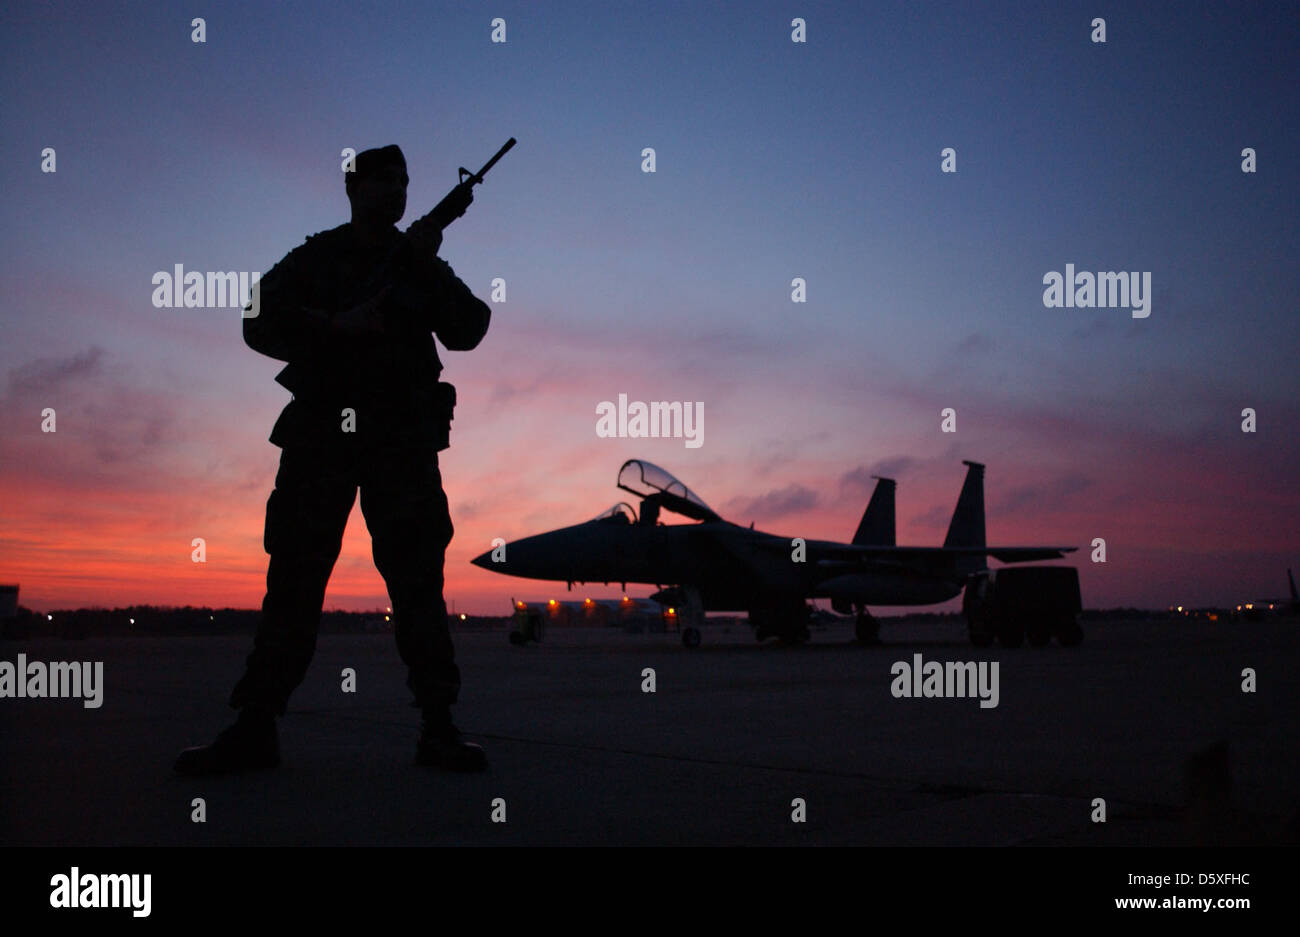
{"x": 351, "y": 311}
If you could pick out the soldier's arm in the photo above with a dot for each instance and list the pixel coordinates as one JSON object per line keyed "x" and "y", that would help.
{"x": 286, "y": 327}
{"x": 458, "y": 317}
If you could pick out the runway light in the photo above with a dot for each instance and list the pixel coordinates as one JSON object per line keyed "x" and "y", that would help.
{"x": 386, "y": 618}
{"x": 1180, "y": 608}
{"x": 131, "y": 621}
{"x": 552, "y": 602}
{"x": 388, "y": 609}
{"x": 462, "y": 616}
{"x": 672, "y": 611}
{"x": 49, "y": 618}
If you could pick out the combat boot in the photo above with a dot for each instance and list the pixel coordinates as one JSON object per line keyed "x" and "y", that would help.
{"x": 442, "y": 746}
{"x": 250, "y": 744}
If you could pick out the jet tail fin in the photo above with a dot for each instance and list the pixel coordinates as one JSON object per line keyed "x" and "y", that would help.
{"x": 967, "y": 526}
{"x": 876, "y": 528}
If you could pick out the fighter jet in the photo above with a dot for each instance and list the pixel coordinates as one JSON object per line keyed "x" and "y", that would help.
{"x": 710, "y": 564}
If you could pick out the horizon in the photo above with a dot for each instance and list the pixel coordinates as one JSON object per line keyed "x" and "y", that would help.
{"x": 821, "y": 605}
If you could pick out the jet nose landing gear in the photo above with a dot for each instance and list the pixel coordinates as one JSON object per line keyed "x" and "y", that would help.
{"x": 690, "y": 615}
{"x": 867, "y": 629}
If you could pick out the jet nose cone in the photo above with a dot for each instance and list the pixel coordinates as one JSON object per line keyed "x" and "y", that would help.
{"x": 544, "y": 556}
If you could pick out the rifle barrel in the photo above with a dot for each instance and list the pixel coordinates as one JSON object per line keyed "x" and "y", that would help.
{"x": 493, "y": 161}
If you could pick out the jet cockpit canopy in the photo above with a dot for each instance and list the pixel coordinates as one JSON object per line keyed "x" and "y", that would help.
{"x": 621, "y": 513}
{"x": 656, "y": 487}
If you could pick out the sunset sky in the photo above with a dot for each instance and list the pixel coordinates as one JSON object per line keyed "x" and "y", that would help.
{"x": 775, "y": 160}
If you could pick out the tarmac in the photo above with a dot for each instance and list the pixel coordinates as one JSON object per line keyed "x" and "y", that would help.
{"x": 735, "y": 736}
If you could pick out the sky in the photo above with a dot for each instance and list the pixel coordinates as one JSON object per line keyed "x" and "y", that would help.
{"x": 774, "y": 159}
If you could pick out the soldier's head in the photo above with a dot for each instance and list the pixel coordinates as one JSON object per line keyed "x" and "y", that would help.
{"x": 377, "y": 186}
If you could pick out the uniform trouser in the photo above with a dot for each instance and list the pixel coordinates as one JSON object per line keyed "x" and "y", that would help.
{"x": 406, "y": 513}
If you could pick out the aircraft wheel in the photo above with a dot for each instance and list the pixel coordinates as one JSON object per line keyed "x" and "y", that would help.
{"x": 979, "y": 628}
{"x": 796, "y": 636}
{"x": 1011, "y": 633}
{"x": 867, "y": 629}
{"x": 691, "y": 637}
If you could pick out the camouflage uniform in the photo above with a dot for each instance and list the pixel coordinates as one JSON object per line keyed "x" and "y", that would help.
{"x": 402, "y": 419}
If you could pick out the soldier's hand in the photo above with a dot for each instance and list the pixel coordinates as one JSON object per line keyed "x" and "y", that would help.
{"x": 365, "y": 318}
{"x": 459, "y": 199}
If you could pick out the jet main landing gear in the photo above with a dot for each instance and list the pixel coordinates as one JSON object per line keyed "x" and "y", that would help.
{"x": 786, "y": 621}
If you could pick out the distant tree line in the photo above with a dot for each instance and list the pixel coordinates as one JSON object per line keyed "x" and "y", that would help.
{"x": 156, "y": 620}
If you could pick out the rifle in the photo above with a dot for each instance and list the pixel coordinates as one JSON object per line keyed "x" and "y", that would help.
{"x": 451, "y": 207}
{"x": 457, "y": 200}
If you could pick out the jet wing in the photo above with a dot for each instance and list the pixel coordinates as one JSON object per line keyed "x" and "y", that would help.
{"x": 827, "y": 550}
{"x": 1028, "y": 554}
